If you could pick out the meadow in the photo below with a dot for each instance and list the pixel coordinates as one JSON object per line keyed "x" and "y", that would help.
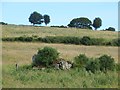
{"x": 16, "y": 31}
{"x": 22, "y": 52}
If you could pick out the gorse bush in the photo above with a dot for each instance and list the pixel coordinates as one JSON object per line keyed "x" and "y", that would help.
{"x": 117, "y": 66}
{"x": 8, "y": 39}
{"x": 81, "y": 60}
{"x": 62, "y": 39}
{"x": 46, "y": 56}
{"x": 103, "y": 63}
{"x": 71, "y": 40}
{"x": 106, "y": 63}
{"x": 24, "y": 39}
{"x": 50, "y": 39}
{"x": 86, "y": 40}
{"x": 93, "y": 65}
{"x": 115, "y": 42}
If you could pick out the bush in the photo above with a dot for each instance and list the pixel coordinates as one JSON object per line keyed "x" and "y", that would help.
{"x": 97, "y": 41}
{"x": 81, "y": 60}
{"x": 117, "y": 66}
{"x": 51, "y": 39}
{"x": 115, "y": 42}
{"x": 86, "y": 40}
{"x": 8, "y": 39}
{"x": 3, "y": 23}
{"x": 61, "y": 39}
{"x": 110, "y": 29}
{"x": 71, "y": 40}
{"x": 106, "y": 63}
{"x": 66, "y": 39}
{"x": 62, "y": 26}
{"x": 46, "y": 56}
{"x": 93, "y": 65}
{"x": 24, "y": 39}
{"x": 59, "y": 26}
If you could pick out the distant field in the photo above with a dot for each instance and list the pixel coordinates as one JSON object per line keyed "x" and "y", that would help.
{"x": 23, "y": 52}
{"x": 15, "y": 31}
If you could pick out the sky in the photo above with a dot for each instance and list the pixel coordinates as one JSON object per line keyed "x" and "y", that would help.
{"x": 61, "y": 13}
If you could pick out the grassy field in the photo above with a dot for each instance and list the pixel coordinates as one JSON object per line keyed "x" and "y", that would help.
{"x": 22, "y": 52}
{"x": 18, "y": 51}
{"x": 15, "y": 31}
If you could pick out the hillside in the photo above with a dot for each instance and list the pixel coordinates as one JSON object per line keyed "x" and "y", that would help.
{"x": 22, "y": 52}
{"x": 16, "y": 31}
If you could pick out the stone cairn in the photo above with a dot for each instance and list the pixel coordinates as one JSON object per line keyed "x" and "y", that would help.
{"x": 62, "y": 64}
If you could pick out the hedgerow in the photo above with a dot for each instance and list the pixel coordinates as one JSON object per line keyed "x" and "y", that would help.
{"x": 85, "y": 40}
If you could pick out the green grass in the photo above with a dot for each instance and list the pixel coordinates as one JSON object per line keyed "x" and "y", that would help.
{"x": 50, "y": 78}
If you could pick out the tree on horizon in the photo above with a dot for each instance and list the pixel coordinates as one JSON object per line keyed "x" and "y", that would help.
{"x": 46, "y": 19}
{"x": 97, "y": 23}
{"x": 36, "y": 18}
{"x": 81, "y": 22}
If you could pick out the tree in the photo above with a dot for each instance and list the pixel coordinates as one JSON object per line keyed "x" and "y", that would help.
{"x": 110, "y": 29}
{"x": 97, "y": 23}
{"x": 36, "y": 18}
{"x": 46, "y": 19}
{"x": 46, "y": 56}
{"x": 82, "y": 22}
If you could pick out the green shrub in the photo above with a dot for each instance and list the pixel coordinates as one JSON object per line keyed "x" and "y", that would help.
{"x": 24, "y": 38}
{"x": 52, "y": 39}
{"x": 81, "y": 60}
{"x": 116, "y": 42}
{"x": 71, "y": 40}
{"x": 117, "y": 66}
{"x": 86, "y": 40}
{"x": 39, "y": 39}
{"x": 66, "y": 39}
{"x": 28, "y": 39}
{"x": 61, "y": 39}
{"x": 3, "y": 23}
{"x": 106, "y": 63}
{"x": 97, "y": 41}
{"x": 8, "y": 39}
{"x": 46, "y": 56}
{"x": 93, "y": 65}
{"x": 110, "y": 29}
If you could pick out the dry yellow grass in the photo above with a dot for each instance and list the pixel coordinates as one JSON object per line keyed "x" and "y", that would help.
{"x": 15, "y": 31}
{"x": 22, "y": 52}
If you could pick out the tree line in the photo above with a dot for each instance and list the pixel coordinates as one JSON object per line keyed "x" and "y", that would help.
{"x": 36, "y": 18}
{"x": 82, "y": 22}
